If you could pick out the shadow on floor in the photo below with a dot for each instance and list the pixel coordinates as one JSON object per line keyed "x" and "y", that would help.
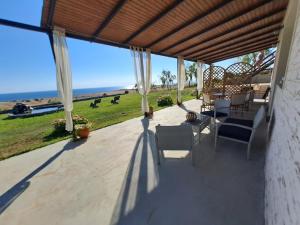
{"x": 141, "y": 176}
{"x": 15, "y": 191}
{"x": 182, "y": 106}
{"x": 224, "y": 188}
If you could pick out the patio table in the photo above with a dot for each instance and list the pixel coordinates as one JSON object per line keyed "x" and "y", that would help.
{"x": 199, "y": 124}
{"x": 218, "y": 95}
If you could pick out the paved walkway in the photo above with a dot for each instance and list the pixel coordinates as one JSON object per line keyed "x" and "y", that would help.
{"x": 112, "y": 178}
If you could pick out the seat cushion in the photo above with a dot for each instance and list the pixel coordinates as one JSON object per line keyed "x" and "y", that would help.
{"x": 248, "y": 123}
{"x": 211, "y": 113}
{"x": 234, "y": 132}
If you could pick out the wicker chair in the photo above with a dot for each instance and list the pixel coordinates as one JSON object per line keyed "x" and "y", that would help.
{"x": 238, "y": 101}
{"x": 174, "y": 138}
{"x": 208, "y": 102}
{"x": 240, "y": 130}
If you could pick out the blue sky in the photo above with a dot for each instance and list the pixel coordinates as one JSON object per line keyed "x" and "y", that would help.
{"x": 26, "y": 61}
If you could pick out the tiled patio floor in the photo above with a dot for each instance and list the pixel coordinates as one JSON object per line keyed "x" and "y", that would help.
{"x": 112, "y": 178}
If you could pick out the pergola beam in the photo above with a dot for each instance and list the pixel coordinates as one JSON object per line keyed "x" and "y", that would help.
{"x": 189, "y": 22}
{"x": 24, "y": 26}
{"x": 240, "y": 52}
{"x": 252, "y": 47}
{"x": 153, "y": 20}
{"x": 110, "y": 16}
{"x": 233, "y": 40}
{"x": 250, "y": 42}
{"x": 233, "y": 17}
{"x": 51, "y": 13}
{"x": 250, "y": 23}
{"x": 29, "y": 27}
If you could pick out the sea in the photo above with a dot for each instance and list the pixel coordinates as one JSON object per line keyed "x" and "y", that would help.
{"x": 52, "y": 94}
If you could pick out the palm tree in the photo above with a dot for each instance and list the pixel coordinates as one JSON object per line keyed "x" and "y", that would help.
{"x": 255, "y": 58}
{"x": 167, "y": 78}
{"x": 191, "y": 72}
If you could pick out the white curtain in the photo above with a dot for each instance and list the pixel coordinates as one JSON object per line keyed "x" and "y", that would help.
{"x": 63, "y": 75}
{"x": 199, "y": 76}
{"x": 142, "y": 70}
{"x": 180, "y": 78}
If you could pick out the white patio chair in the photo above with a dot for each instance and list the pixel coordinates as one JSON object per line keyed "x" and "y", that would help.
{"x": 174, "y": 138}
{"x": 221, "y": 110}
{"x": 240, "y": 130}
{"x": 238, "y": 100}
{"x": 208, "y": 101}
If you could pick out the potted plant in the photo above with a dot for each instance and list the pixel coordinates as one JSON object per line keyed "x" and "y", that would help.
{"x": 151, "y": 110}
{"x": 82, "y": 131}
{"x": 81, "y": 127}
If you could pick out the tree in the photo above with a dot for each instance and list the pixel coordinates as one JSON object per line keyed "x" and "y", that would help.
{"x": 163, "y": 80}
{"x": 191, "y": 72}
{"x": 255, "y": 58}
{"x": 167, "y": 78}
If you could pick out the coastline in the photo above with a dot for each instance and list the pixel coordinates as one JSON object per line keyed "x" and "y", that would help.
{"x": 8, "y": 105}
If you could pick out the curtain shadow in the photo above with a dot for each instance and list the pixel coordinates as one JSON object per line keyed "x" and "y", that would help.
{"x": 141, "y": 176}
{"x": 182, "y": 106}
{"x": 7, "y": 198}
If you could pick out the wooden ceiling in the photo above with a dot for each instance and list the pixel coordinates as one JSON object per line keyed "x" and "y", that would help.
{"x": 208, "y": 30}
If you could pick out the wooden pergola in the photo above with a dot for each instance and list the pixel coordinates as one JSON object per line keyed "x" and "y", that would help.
{"x": 206, "y": 30}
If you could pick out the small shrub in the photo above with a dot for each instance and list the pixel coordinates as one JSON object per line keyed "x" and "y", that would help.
{"x": 194, "y": 93}
{"x": 165, "y": 100}
{"x": 80, "y": 120}
{"x": 60, "y": 124}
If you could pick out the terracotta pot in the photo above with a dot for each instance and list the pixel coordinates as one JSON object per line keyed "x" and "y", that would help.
{"x": 84, "y": 132}
{"x": 151, "y": 111}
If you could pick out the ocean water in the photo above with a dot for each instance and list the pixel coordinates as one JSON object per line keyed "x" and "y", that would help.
{"x": 53, "y": 94}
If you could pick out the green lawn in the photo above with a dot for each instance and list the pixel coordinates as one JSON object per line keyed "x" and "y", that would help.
{"x": 22, "y": 135}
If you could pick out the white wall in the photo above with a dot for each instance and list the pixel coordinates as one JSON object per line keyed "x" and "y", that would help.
{"x": 282, "y": 170}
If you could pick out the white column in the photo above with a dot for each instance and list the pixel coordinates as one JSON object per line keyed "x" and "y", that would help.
{"x": 199, "y": 76}
{"x": 63, "y": 75}
{"x": 283, "y": 50}
{"x": 143, "y": 74}
{"x": 180, "y": 78}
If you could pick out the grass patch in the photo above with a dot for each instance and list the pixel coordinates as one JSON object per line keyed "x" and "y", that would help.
{"x": 25, "y": 134}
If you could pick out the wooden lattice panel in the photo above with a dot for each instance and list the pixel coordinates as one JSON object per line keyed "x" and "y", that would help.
{"x": 237, "y": 78}
{"x": 213, "y": 79}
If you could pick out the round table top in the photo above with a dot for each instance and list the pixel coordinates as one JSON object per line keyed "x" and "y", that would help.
{"x": 218, "y": 94}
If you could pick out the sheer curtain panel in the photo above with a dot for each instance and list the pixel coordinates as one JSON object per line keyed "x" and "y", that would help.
{"x": 180, "y": 78}
{"x": 63, "y": 75}
{"x": 142, "y": 71}
{"x": 199, "y": 76}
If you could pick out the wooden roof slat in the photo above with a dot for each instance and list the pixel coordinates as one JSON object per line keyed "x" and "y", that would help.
{"x": 113, "y": 12}
{"x": 250, "y": 23}
{"x": 189, "y": 22}
{"x": 233, "y": 17}
{"x": 239, "y": 52}
{"x": 240, "y": 39}
{"x": 252, "y": 46}
{"x": 247, "y": 51}
{"x": 154, "y": 20}
{"x": 206, "y": 29}
{"x": 51, "y": 13}
{"x": 264, "y": 38}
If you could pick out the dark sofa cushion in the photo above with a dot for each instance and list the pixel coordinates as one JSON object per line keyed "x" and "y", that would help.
{"x": 248, "y": 123}
{"x": 234, "y": 132}
{"x": 211, "y": 113}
